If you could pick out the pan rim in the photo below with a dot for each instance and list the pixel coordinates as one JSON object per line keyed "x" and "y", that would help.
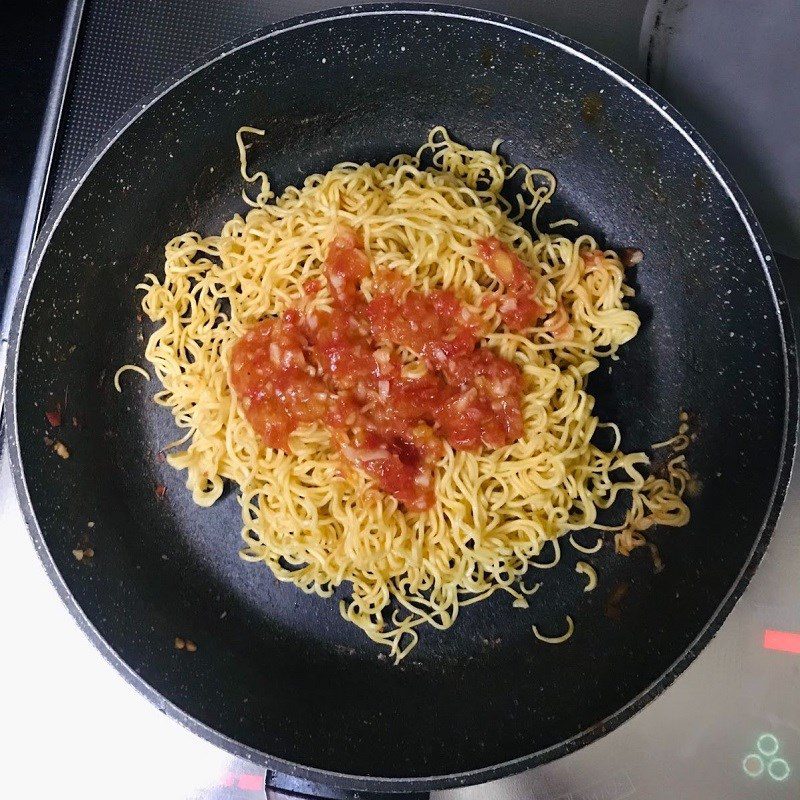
{"x": 642, "y": 93}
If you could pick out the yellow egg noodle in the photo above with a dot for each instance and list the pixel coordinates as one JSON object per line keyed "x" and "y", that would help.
{"x": 556, "y": 639}
{"x": 129, "y": 368}
{"x": 588, "y": 570}
{"x": 419, "y": 215}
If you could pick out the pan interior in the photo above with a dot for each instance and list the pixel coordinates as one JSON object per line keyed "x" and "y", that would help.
{"x": 279, "y": 671}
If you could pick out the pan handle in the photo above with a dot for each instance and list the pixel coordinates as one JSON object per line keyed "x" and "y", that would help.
{"x": 279, "y": 786}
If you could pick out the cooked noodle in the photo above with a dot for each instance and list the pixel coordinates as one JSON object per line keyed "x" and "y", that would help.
{"x": 318, "y": 528}
{"x": 129, "y": 368}
{"x": 556, "y": 557}
{"x": 556, "y": 639}
{"x": 681, "y": 441}
{"x": 658, "y": 502}
{"x": 589, "y": 550}
{"x": 588, "y": 570}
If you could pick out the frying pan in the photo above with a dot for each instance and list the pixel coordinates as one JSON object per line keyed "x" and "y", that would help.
{"x": 278, "y": 677}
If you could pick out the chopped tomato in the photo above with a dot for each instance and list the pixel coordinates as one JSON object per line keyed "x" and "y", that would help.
{"x": 411, "y": 399}
{"x": 486, "y": 408}
{"x": 436, "y": 326}
{"x": 592, "y": 258}
{"x": 342, "y": 368}
{"x": 517, "y": 305}
{"x": 402, "y": 464}
{"x": 312, "y": 286}
{"x": 558, "y": 323}
{"x": 342, "y": 349}
{"x": 346, "y": 265}
{"x": 277, "y": 386}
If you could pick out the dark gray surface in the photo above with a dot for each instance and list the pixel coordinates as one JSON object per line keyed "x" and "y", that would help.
{"x": 733, "y": 68}
{"x": 625, "y": 171}
{"x": 25, "y": 74}
{"x": 129, "y": 47}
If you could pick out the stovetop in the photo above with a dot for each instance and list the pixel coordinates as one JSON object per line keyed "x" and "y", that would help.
{"x": 728, "y": 728}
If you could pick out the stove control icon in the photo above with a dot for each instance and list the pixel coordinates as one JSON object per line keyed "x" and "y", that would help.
{"x": 766, "y": 758}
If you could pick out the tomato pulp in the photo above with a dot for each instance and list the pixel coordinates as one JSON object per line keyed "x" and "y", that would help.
{"x": 346, "y": 369}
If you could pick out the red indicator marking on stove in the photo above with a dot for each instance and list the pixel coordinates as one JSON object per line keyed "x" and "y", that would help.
{"x": 782, "y": 640}
{"x": 251, "y": 783}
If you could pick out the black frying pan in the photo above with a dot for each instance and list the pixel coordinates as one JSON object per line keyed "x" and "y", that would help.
{"x": 278, "y": 677}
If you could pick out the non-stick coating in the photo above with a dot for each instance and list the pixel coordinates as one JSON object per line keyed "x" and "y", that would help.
{"x": 278, "y": 675}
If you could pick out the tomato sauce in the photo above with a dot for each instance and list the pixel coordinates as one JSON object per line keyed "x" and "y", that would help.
{"x": 343, "y": 369}
{"x": 517, "y": 305}
{"x": 436, "y": 325}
